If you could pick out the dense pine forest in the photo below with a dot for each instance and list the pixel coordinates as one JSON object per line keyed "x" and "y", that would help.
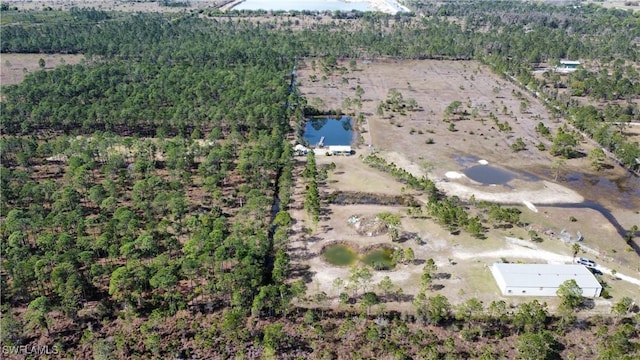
{"x": 144, "y": 191}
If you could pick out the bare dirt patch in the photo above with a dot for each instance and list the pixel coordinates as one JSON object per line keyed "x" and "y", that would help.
{"x": 14, "y": 67}
{"x": 422, "y": 143}
{"x": 632, "y": 5}
{"x": 434, "y": 85}
{"x": 111, "y": 5}
{"x": 492, "y": 113}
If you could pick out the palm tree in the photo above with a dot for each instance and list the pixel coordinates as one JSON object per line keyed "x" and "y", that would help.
{"x": 576, "y": 249}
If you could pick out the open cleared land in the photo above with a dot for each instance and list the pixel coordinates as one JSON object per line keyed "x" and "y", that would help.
{"x": 125, "y": 5}
{"x": 152, "y": 206}
{"x": 422, "y": 143}
{"x": 14, "y": 67}
{"x": 633, "y": 5}
{"x": 112, "y": 5}
{"x": 156, "y": 6}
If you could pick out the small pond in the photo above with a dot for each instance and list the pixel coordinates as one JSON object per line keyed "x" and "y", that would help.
{"x": 340, "y": 255}
{"x": 489, "y": 175}
{"x": 379, "y": 259}
{"x": 335, "y": 131}
{"x": 297, "y": 5}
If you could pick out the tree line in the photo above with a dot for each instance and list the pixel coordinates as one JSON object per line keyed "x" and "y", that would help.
{"x": 161, "y": 201}
{"x": 521, "y": 36}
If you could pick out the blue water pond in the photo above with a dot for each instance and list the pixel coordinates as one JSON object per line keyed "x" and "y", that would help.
{"x": 335, "y": 131}
{"x": 489, "y": 175}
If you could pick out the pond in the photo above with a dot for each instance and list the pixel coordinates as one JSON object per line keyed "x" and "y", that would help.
{"x": 335, "y": 131}
{"x": 379, "y": 259}
{"x": 489, "y": 175}
{"x": 340, "y": 255}
{"x": 297, "y": 5}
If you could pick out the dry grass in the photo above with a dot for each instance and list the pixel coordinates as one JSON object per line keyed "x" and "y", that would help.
{"x": 109, "y": 5}
{"x": 14, "y": 67}
{"x": 632, "y": 5}
{"x": 351, "y": 174}
{"x": 434, "y": 85}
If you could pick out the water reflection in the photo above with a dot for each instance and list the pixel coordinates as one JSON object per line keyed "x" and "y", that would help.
{"x": 318, "y": 123}
{"x": 621, "y": 191}
{"x": 489, "y": 175}
{"x": 335, "y": 131}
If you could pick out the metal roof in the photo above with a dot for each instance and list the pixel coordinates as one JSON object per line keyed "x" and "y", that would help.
{"x": 544, "y": 275}
{"x": 339, "y": 148}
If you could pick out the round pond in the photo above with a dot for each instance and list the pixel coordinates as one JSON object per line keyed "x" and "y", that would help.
{"x": 379, "y": 259}
{"x": 340, "y": 255}
{"x": 489, "y": 175}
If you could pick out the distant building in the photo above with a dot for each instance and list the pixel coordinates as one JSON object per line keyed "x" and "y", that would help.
{"x": 543, "y": 279}
{"x": 340, "y": 150}
{"x": 567, "y": 66}
{"x": 300, "y": 150}
{"x": 58, "y": 159}
{"x": 334, "y": 150}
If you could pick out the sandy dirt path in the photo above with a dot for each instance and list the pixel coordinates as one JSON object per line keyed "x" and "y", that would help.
{"x": 618, "y": 275}
{"x": 516, "y": 248}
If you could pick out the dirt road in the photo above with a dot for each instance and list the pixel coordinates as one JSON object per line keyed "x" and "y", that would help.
{"x": 519, "y": 249}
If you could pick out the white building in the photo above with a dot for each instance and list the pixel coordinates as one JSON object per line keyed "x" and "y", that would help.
{"x": 567, "y": 66}
{"x": 543, "y": 279}
{"x": 300, "y": 149}
{"x": 340, "y": 149}
{"x": 333, "y": 150}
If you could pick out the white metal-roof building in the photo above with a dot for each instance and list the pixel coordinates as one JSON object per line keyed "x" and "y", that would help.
{"x": 333, "y": 150}
{"x": 569, "y": 63}
{"x": 568, "y": 66}
{"x": 543, "y": 279}
{"x": 340, "y": 149}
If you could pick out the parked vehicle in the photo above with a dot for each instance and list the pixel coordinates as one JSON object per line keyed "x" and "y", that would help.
{"x": 586, "y": 262}
{"x": 594, "y": 271}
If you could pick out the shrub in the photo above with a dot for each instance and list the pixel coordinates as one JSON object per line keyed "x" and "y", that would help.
{"x": 518, "y": 145}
